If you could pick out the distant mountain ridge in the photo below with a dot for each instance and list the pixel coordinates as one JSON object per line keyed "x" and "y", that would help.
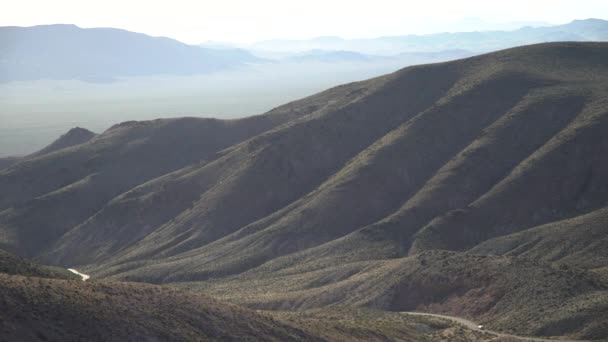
{"x": 63, "y": 52}
{"x": 70, "y": 52}
{"x": 480, "y": 41}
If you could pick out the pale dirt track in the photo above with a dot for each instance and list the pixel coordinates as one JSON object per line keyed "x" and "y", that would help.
{"x": 82, "y": 275}
{"x": 475, "y": 326}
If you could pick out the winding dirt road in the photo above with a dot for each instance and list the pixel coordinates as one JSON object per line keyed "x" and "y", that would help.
{"x": 475, "y": 326}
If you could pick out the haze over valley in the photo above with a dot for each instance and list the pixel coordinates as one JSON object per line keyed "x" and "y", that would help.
{"x": 50, "y": 93}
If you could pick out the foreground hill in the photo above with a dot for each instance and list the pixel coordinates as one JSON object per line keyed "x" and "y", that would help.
{"x": 520, "y": 295}
{"x": 346, "y": 196}
{"x": 100, "y": 54}
{"x": 47, "y": 309}
{"x": 37, "y": 309}
{"x": 14, "y": 265}
{"x": 39, "y": 305}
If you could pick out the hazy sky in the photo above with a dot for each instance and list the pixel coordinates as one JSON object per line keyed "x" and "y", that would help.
{"x": 250, "y": 20}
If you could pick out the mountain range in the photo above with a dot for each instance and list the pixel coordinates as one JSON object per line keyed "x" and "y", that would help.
{"x": 102, "y": 54}
{"x": 475, "y": 41}
{"x": 63, "y": 52}
{"x": 474, "y": 188}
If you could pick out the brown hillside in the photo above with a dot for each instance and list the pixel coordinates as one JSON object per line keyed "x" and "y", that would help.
{"x": 47, "y": 195}
{"x": 347, "y": 196}
{"x": 581, "y": 241}
{"x": 12, "y": 264}
{"x": 37, "y": 309}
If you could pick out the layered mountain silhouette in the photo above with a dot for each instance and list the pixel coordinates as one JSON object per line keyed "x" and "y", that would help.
{"x": 479, "y": 41}
{"x": 63, "y": 52}
{"x": 474, "y": 188}
{"x": 101, "y": 54}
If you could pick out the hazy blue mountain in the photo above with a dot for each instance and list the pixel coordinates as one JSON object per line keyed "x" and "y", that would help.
{"x": 329, "y": 56}
{"x": 340, "y": 59}
{"x": 406, "y": 58}
{"x": 479, "y": 24}
{"x": 479, "y": 41}
{"x": 70, "y": 52}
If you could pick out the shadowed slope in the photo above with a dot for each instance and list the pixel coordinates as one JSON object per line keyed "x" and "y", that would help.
{"x": 268, "y": 172}
{"x": 37, "y": 309}
{"x": 501, "y": 111}
{"x": 518, "y": 295}
{"x": 46, "y": 309}
{"x": 8, "y": 161}
{"x": 536, "y": 194}
{"x": 581, "y": 241}
{"x": 50, "y": 194}
{"x": 12, "y": 264}
{"x": 369, "y": 187}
